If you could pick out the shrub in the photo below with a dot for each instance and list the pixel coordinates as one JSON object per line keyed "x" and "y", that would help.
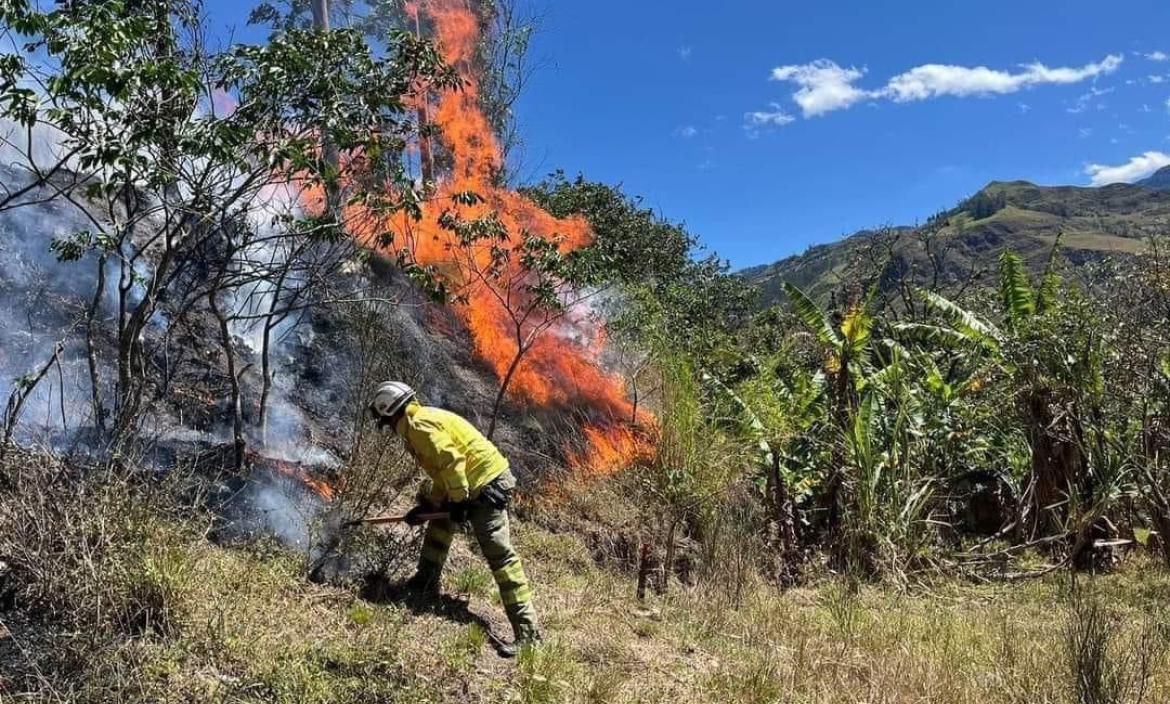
{"x": 94, "y": 556}
{"x": 90, "y": 549}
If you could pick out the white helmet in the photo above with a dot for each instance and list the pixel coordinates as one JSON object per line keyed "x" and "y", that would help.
{"x": 390, "y": 398}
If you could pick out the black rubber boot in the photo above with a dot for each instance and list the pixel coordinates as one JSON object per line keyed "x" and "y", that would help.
{"x": 424, "y": 584}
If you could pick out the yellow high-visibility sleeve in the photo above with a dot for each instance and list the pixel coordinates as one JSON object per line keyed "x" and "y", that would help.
{"x": 458, "y": 458}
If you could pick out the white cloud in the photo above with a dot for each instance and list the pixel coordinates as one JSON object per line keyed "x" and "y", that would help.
{"x": 686, "y": 131}
{"x": 1135, "y": 169}
{"x": 1085, "y": 132}
{"x": 684, "y": 53}
{"x": 762, "y": 118}
{"x": 1025, "y": 108}
{"x": 824, "y": 86}
{"x": 1158, "y": 56}
{"x": 1167, "y": 103}
{"x": 934, "y": 80}
{"x": 1156, "y": 78}
{"x": 756, "y": 121}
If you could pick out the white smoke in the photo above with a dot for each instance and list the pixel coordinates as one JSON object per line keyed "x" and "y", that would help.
{"x": 43, "y": 302}
{"x": 286, "y": 430}
{"x": 39, "y": 148}
{"x": 44, "y": 299}
{"x": 286, "y": 513}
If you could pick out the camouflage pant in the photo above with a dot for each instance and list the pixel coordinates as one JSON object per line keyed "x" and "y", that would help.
{"x": 491, "y": 530}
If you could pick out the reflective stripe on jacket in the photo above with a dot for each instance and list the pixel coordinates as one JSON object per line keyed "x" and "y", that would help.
{"x": 458, "y": 458}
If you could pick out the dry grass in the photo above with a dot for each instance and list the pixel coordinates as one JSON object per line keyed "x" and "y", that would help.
{"x": 955, "y": 644}
{"x": 235, "y": 625}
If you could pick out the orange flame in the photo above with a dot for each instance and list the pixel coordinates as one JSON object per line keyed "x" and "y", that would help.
{"x": 609, "y": 450}
{"x": 297, "y": 472}
{"x": 319, "y": 487}
{"x": 562, "y": 366}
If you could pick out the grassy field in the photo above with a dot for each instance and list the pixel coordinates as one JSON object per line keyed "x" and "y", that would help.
{"x": 244, "y": 626}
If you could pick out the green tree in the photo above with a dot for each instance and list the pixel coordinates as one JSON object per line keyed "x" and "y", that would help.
{"x": 170, "y": 184}
{"x": 664, "y": 299}
{"x": 1050, "y": 349}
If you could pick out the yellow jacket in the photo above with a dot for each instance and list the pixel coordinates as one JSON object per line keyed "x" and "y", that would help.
{"x": 458, "y": 458}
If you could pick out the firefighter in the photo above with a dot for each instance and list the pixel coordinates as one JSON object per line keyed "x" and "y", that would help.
{"x": 471, "y": 481}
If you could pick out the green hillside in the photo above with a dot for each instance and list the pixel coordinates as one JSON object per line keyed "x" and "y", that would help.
{"x": 1096, "y": 223}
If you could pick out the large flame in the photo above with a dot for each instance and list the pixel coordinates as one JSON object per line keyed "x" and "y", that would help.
{"x": 562, "y": 366}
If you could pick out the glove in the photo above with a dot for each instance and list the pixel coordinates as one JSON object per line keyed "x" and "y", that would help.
{"x": 414, "y": 515}
{"x": 457, "y": 510}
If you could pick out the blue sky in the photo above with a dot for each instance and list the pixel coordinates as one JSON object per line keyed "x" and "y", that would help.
{"x": 656, "y": 95}
{"x": 770, "y": 126}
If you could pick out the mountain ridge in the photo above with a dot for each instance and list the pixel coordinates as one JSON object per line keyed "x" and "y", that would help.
{"x": 1159, "y": 180}
{"x": 1094, "y": 224}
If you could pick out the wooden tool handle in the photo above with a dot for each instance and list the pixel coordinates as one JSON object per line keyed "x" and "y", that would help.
{"x": 378, "y": 520}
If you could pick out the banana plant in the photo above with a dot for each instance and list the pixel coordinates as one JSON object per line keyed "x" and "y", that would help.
{"x": 964, "y": 329}
{"x": 846, "y": 345}
{"x": 778, "y": 479}
{"x": 1048, "y": 351}
{"x": 850, "y": 339}
{"x": 753, "y": 427}
{"x": 847, "y": 348}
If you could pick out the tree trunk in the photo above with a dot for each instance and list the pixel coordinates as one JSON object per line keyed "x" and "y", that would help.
{"x": 782, "y": 532}
{"x": 131, "y": 371}
{"x": 1162, "y": 522}
{"x": 644, "y": 568}
{"x": 1058, "y": 469}
{"x": 21, "y": 390}
{"x": 320, "y": 9}
{"x": 271, "y": 321}
{"x": 634, "y": 398}
{"x": 265, "y": 380}
{"x": 1060, "y": 480}
{"x": 332, "y": 159}
{"x": 668, "y": 563}
{"x": 504, "y": 389}
{"x": 240, "y": 444}
{"x": 844, "y": 408}
{"x": 99, "y": 412}
{"x": 426, "y": 159}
